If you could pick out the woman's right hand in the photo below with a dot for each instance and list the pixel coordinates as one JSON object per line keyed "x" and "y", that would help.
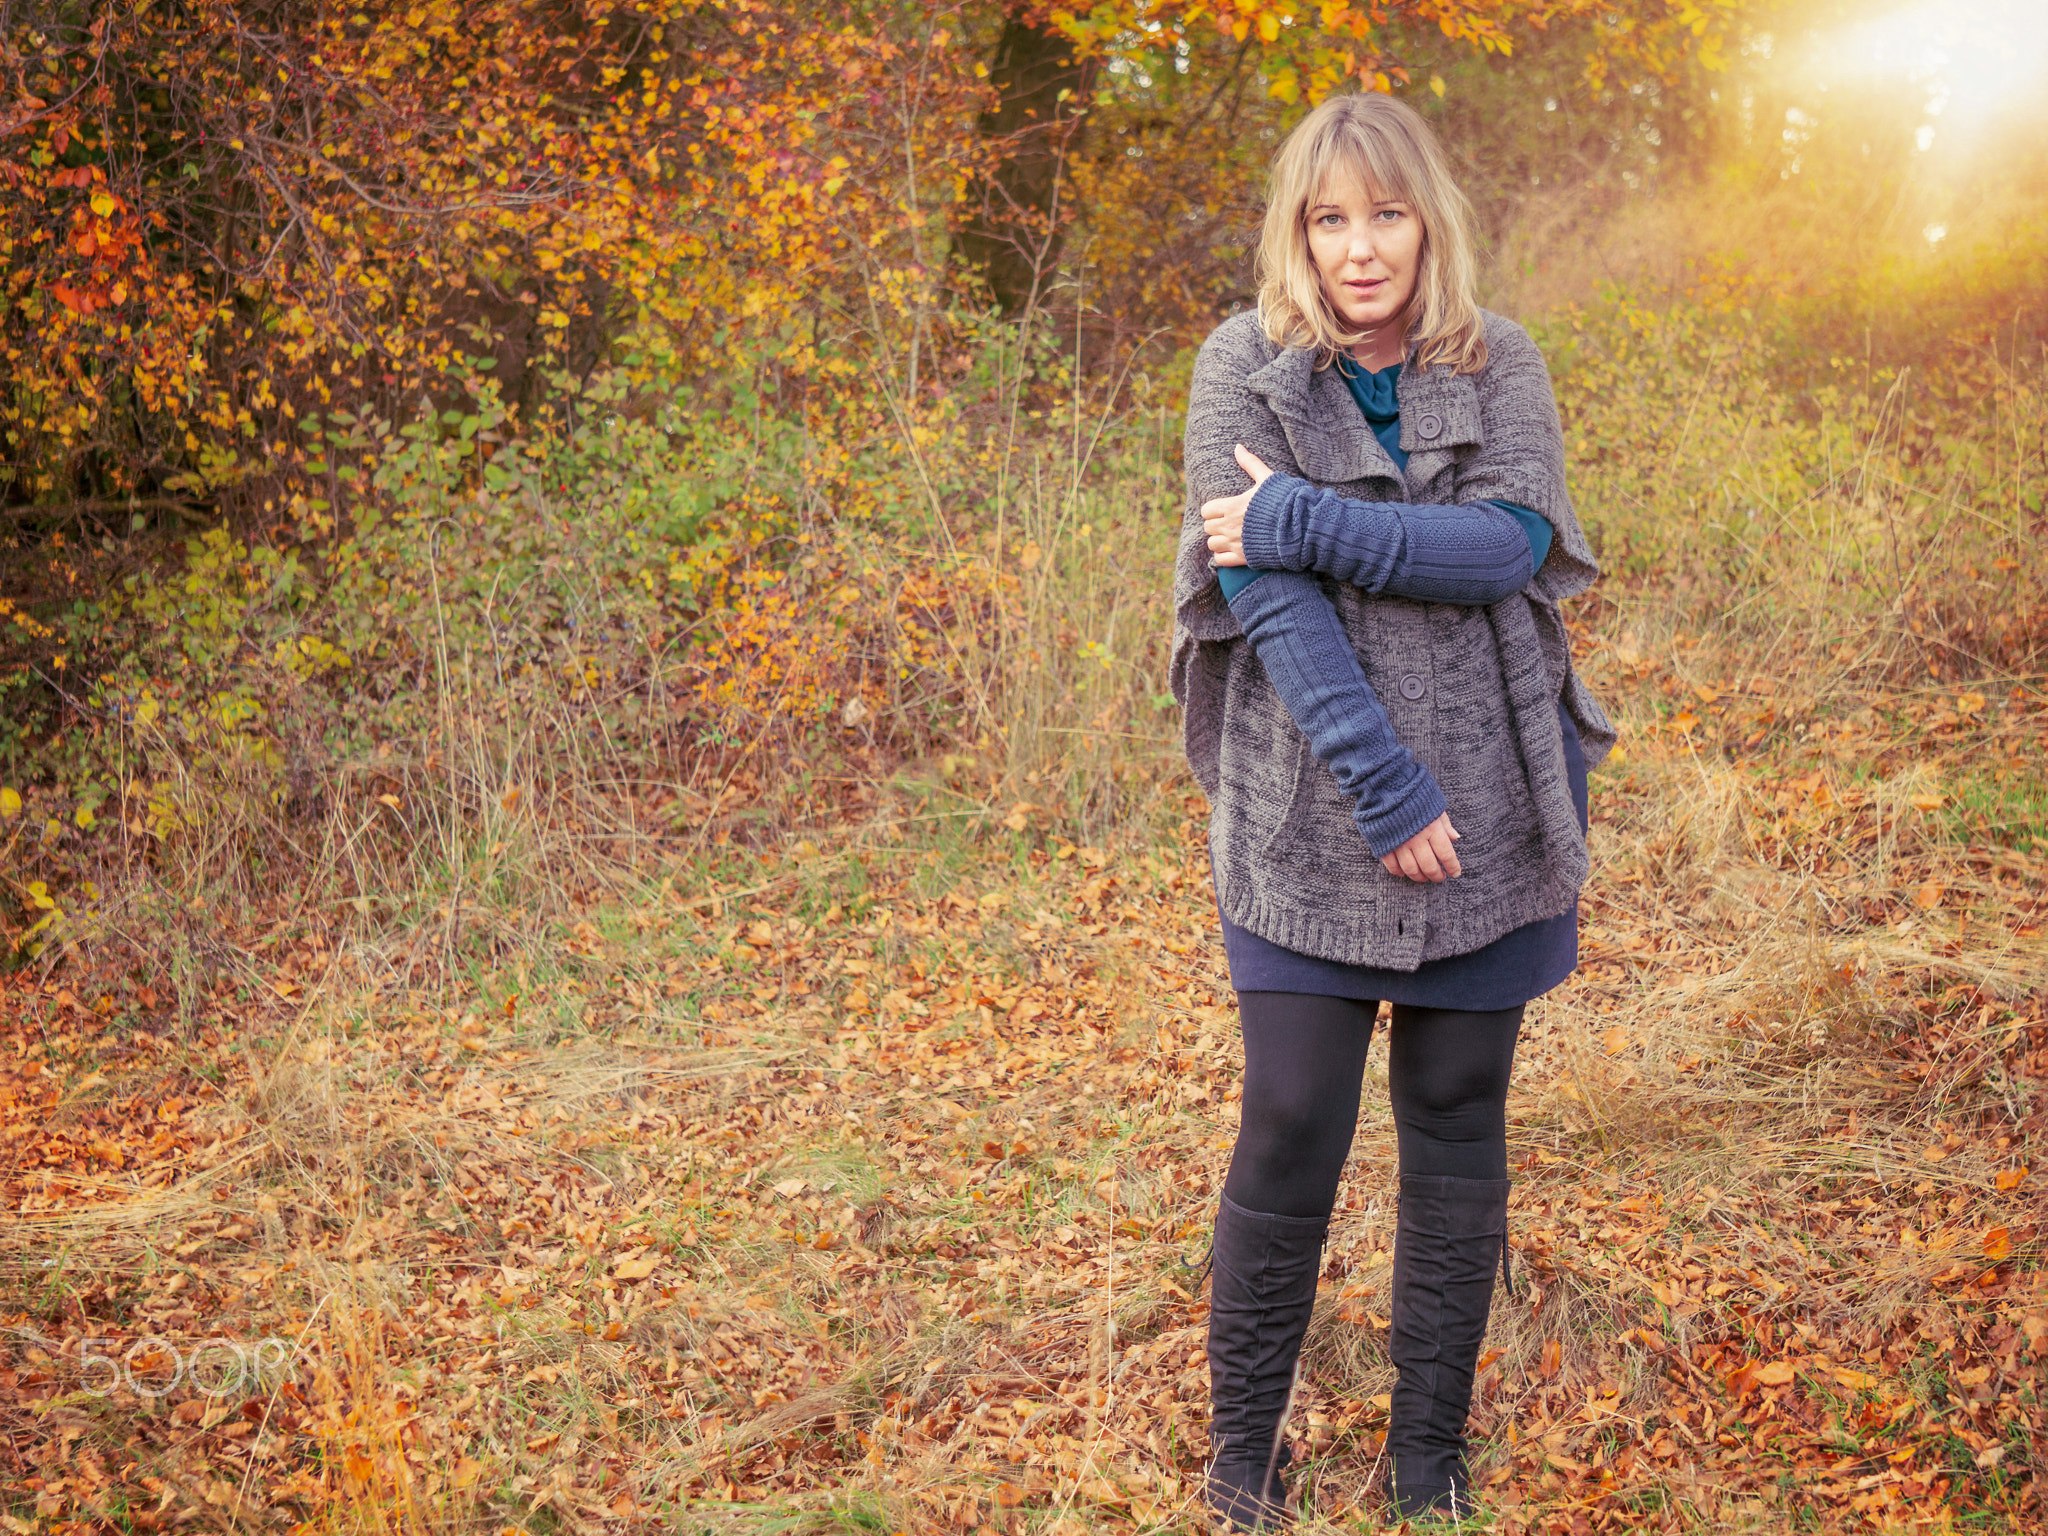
{"x": 1223, "y": 518}
{"x": 1428, "y": 855}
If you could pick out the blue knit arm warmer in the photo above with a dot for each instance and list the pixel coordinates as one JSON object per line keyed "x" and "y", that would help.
{"x": 1471, "y": 555}
{"x": 1295, "y": 632}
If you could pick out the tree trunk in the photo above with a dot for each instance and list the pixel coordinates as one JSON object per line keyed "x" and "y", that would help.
{"x": 1014, "y": 233}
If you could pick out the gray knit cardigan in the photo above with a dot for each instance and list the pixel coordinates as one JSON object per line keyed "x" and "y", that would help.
{"x": 1471, "y": 691}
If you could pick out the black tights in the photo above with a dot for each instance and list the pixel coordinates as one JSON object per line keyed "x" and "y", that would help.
{"x": 1304, "y": 1064}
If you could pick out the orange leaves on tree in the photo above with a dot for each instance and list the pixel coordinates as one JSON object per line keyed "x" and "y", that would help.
{"x": 250, "y": 227}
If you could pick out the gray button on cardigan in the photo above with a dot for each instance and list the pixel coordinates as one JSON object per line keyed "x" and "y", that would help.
{"x": 1470, "y": 691}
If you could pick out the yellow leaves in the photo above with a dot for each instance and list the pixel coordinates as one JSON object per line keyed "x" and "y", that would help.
{"x": 10, "y": 803}
{"x": 309, "y": 656}
{"x": 635, "y": 1265}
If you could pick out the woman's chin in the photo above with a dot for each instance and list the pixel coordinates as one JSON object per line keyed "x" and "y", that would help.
{"x": 1370, "y": 320}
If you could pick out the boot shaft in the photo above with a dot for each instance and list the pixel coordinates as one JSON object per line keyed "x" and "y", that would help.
{"x": 1262, "y": 1290}
{"x": 1449, "y": 1237}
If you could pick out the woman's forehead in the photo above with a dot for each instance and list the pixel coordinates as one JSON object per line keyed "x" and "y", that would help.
{"x": 1353, "y": 184}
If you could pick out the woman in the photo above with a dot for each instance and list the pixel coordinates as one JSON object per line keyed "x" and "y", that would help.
{"x": 1373, "y": 669}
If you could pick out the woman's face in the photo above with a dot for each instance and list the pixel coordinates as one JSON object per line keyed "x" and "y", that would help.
{"x": 1367, "y": 249}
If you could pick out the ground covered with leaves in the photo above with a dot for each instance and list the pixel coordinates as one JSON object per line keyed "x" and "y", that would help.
{"x": 867, "y": 1186}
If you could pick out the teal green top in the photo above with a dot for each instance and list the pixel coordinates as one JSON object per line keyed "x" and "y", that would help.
{"x": 1374, "y": 390}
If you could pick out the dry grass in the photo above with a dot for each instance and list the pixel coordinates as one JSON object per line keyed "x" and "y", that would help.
{"x": 432, "y": 1198}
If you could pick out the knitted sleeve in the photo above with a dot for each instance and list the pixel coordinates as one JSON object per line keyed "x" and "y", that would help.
{"x": 1472, "y": 555}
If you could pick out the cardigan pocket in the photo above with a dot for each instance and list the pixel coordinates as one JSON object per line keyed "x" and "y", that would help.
{"x": 1304, "y": 764}
{"x": 1258, "y": 754}
{"x": 1320, "y": 826}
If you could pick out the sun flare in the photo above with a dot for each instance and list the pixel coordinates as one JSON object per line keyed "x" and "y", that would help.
{"x": 1962, "y": 62}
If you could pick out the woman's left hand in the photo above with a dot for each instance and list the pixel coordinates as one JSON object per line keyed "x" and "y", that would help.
{"x": 1428, "y": 855}
{"x": 1223, "y": 519}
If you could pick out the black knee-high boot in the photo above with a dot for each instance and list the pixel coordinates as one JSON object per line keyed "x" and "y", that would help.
{"x": 1262, "y": 1289}
{"x": 1448, "y": 1240}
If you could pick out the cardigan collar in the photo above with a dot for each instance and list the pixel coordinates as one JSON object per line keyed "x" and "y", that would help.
{"x": 1439, "y": 411}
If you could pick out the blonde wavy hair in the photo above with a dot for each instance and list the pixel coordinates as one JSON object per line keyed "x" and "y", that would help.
{"x": 1387, "y": 145}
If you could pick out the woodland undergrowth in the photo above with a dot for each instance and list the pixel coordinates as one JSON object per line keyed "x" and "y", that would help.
{"x": 566, "y": 1002}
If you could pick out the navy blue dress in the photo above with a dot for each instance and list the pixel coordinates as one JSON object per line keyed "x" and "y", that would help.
{"x": 1515, "y": 967}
